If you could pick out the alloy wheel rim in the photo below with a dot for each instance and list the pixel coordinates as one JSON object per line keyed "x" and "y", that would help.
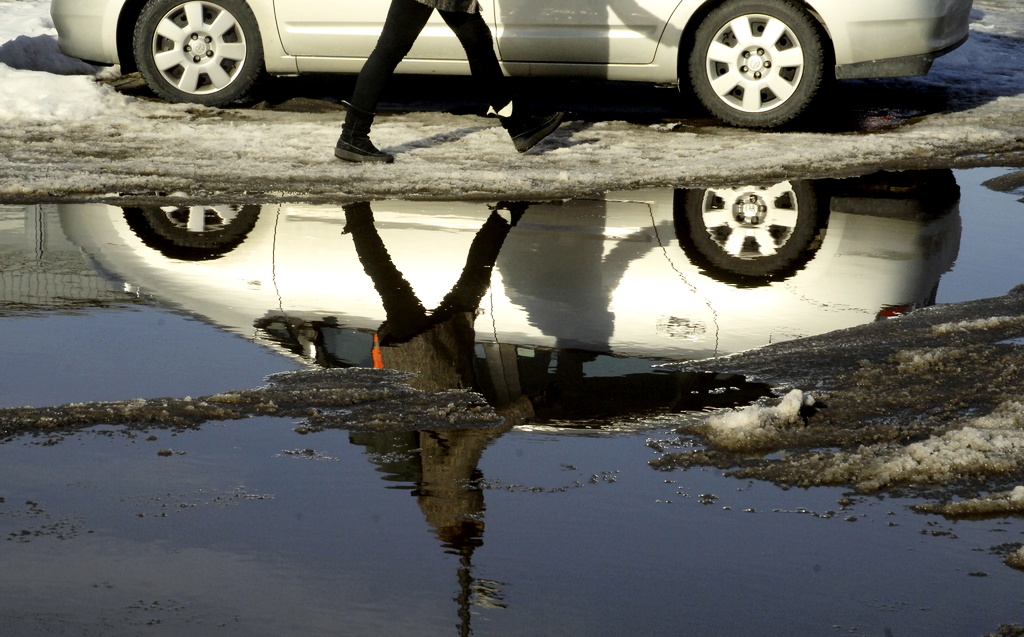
{"x": 199, "y": 48}
{"x": 750, "y": 223}
{"x": 755, "y": 63}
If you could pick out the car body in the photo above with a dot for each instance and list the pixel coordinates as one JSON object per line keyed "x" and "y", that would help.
{"x": 757, "y": 63}
{"x": 656, "y": 274}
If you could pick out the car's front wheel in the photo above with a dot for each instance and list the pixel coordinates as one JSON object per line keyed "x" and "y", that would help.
{"x": 193, "y": 233}
{"x": 199, "y": 51}
{"x": 757, "y": 63}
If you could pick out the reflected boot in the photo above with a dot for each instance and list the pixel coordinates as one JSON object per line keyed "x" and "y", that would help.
{"x": 526, "y": 129}
{"x": 354, "y": 143}
{"x": 510, "y": 211}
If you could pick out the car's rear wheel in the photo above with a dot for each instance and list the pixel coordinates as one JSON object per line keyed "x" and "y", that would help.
{"x": 757, "y": 63}
{"x": 749, "y": 235}
{"x": 199, "y": 51}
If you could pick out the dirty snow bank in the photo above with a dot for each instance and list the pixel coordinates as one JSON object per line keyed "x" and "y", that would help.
{"x": 73, "y": 98}
{"x": 65, "y": 135}
{"x": 1002, "y": 503}
{"x": 352, "y": 398}
{"x": 984, "y": 448}
{"x": 993, "y": 322}
{"x": 933, "y": 401}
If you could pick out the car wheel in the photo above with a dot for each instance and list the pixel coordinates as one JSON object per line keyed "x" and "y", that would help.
{"x": 199, "y": 51}
{"x": 192, "y": 233}
{"x": 749, "y": 235}
{"x": 757, "y": 63}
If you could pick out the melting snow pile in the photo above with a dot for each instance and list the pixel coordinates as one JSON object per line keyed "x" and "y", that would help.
{"x": 1015, "y": 559}
{"x": 932, "y": 402}
{"x": 980, "y": 448}
{"x": 756, "y": 427}
{"x": 349, "y": 398}
{"x": 997, "y": 504}
{"x": 66, "y": 134}
{"x": 1002, "y": 503}
{"x": 988, "y": 446}
{"x": 988, "y": 323}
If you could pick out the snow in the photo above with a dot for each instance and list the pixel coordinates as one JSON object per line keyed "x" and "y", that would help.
{"x": 64, "y": 134}
{"x": 929, "y": 403}
{"x": 956, "y": 455}
{"x": 924, "y": 359}
{"x": 68, "y": 99}
{"x": 753, "y": 427}
{"x": 1001, "y": 503}
{"x": 1015, "y": 559}
{"x": 988, "y": 323}
{"x": 353, "y": 398}
{"x": 985, "y": 446}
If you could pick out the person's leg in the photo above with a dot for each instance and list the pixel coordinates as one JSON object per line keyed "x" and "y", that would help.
{"x": 405, "y": 21}
{"x": 475, "y": 37}
{"x": 526, "y": 129}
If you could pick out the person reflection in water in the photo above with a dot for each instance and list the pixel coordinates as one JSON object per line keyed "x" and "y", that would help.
{"x": 439, "y": 347}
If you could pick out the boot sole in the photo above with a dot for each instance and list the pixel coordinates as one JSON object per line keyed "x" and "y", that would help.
{"x": 528, "y": 140}
{"x": 348, "y": 155}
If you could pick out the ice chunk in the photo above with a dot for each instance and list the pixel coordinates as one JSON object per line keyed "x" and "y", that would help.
{"x": 756, "y": 426}
{"x": 1015, "y": 559}
{"x": 988, "y": 323}
{"x": 1006, "y": 502}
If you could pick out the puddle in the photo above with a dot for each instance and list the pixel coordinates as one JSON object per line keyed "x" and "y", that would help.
{"x": 557, "y": 313}
{"x": 654, "y": 276}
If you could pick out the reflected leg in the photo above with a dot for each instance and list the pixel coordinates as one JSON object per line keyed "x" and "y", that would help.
{"x": 405, "y": 314}
{"x": 475, "y": 279}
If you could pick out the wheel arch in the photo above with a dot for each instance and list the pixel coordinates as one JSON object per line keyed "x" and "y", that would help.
{"x": 686, "y": 38}
{"x": 125, "y": 33}
{"x": 274, "y": 58}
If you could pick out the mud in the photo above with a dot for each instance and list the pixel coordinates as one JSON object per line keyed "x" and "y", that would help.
{"x": 930, "y": 402}
{"x": 353, "y": 399}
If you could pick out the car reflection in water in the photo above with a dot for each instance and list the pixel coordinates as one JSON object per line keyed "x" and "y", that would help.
{"x": 573, "y": 305}
{"x": 554, "y": 311}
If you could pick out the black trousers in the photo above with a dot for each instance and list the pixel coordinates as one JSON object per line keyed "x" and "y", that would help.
{"x": 405, "y": 21}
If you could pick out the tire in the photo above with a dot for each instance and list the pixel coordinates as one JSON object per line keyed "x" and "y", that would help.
{"x": 757, "y": 63}
{"x": 199, "y": 51}
{"x": 192, "y": 233}
{"x": 749, "y": 236}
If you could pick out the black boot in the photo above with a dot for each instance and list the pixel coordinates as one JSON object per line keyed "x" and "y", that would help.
{"x": 526, "y": 129}
{"x": 354, "y": 143}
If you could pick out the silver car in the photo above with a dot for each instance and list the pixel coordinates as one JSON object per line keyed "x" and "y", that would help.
{"x": 754, "y": 63}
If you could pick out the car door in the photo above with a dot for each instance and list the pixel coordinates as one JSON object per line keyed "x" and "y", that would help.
{"x": 581, "y": 31}
{"x": 350, "y": 28}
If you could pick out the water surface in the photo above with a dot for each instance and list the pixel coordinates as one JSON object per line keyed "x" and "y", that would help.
{"x": 554, "y": 525}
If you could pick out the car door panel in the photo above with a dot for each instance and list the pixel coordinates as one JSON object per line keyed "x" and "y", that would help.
{"x": 350, "y": 28}
{"x": 581, "y": 31}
